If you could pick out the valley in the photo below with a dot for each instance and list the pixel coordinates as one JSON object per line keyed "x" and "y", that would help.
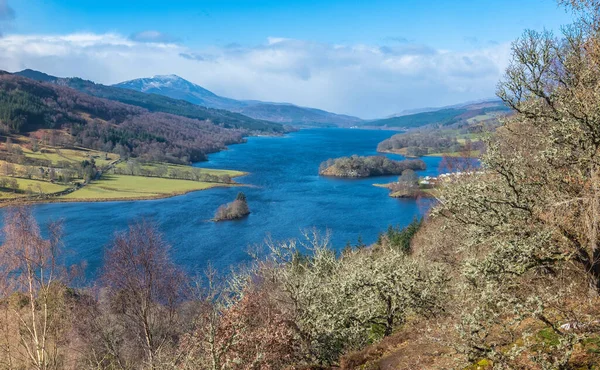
{"x": 329, "y": 186}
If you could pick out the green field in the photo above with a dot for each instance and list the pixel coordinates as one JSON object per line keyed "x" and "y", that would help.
{"x": 71, "y": 155}
{"x": 35, "y": 186}
{"x": 110, "y": 186}
{"x": 136, "y": 187}
{"x": 483, "y": 117}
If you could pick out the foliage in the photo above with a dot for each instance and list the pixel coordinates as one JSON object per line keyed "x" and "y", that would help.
{"x": 343, "y": 303}
{"x": 420, "y": 143}
{"x": 356, "y": 166}
{"x": 30, "y": 271}
{"x": 529, "y": 222}
{"x": 400, "y": 238}
{"x": 234, "y": 210}
{"x": 145, "y": 290}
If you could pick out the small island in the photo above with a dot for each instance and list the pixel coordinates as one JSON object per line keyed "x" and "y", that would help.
{"x": 356, "y": 166}
{"x": 409, "y": 185}
{"x": 234, "y": 210}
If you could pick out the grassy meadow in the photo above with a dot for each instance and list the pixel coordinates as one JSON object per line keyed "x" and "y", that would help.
{"x": 113, "y": 187}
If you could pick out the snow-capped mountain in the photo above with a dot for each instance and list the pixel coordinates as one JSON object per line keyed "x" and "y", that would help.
{"x": 176, "y": 87}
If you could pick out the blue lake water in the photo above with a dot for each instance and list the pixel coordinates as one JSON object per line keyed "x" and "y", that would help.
{"x": 284, "y": 192}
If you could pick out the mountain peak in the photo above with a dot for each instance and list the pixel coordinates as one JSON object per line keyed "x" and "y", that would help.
{"x": 175, "y": 87}
{"x": 171, "y": 77}
{"x": 164, "y": 82}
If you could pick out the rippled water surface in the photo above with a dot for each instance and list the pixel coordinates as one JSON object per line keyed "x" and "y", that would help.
{"x": 284, "y": 192}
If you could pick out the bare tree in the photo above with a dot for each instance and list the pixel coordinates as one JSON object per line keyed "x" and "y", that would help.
{"x": 145, "y": 289}
{"x": 29, "y": 267}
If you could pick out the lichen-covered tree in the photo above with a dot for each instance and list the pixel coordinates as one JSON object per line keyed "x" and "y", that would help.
{"x": 342, "y": 303}
{"x": 35, "y": 318}
{"x": 530, "y": 219}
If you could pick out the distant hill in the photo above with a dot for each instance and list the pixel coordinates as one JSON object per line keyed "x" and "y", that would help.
{"x": 288, "y": 113}
{"x": 178, "y": 88}
{"x": 458, "y": 115}
{"x": 159, "y": 103}
{"x": 37, "y": 75}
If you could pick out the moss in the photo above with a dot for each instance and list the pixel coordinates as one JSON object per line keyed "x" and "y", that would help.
{"x": 592, "y": 345}
{"x": 548, "y": 337}
{"x": 376, "y": 333}
{"x": 480, "y": 365}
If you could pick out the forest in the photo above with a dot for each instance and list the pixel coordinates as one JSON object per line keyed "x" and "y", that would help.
{"x": 100, "y": 124}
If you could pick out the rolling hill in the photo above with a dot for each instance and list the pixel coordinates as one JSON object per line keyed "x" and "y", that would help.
{"x": 83, "y": 120}
{"x": 457, "y": 115}
{"x": 159, "y": 103}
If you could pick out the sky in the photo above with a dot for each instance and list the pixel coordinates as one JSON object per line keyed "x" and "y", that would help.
{"x": 365, "y": 58}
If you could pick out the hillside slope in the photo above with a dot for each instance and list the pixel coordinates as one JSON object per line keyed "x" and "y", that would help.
{"x": 159, "y": 103}
{"x": 178, "y": 88}
{"x": 80, "y": 119}
{"x": 460, "y": 115}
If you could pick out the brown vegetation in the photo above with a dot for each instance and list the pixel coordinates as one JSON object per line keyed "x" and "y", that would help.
{"x": 100, "y": 124}
{"x": 234, "y": 210}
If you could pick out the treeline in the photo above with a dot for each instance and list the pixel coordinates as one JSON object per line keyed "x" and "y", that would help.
{"x": 63, "y": 172}
{"x": 134, "y": 167}
{"x": 157, "y": 137}
{"x": 356, "y": 166}
{"x": 100, "y": 124}
{"x": 421, "y": 143}
{"x": 287, "y": 310}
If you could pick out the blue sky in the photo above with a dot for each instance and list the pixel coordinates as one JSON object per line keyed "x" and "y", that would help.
{"x": 306, "y": 52}
{"x": 441, "y": 24}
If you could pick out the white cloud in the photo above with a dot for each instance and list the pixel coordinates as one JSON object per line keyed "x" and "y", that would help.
{"x": 152, "y": 36}
{"x": 364, "y": 80}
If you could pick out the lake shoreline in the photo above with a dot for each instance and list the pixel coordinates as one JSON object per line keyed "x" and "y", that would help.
{"x": 285, "y": 193}
{"x": 402, "y": 152}
{"x": 415, "y": 194}
{"x": 28, "y": 202}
